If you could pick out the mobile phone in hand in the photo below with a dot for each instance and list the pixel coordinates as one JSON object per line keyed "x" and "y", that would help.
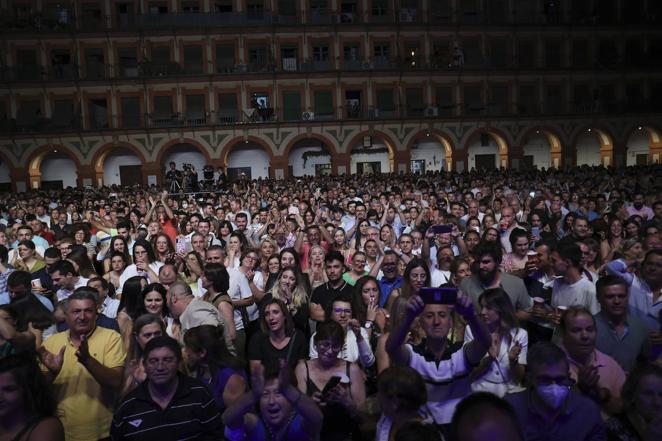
{"x": 442, "y": 229}
{"x": 438, "y": 296}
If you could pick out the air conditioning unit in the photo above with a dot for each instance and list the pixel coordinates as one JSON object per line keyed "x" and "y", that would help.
{"x": 432, "y": 111}
{"x": 367, "y": 65}
{"x": 241, "y": 68}
{"x": 308, "y": 116}
{"x": 290, "y": 64}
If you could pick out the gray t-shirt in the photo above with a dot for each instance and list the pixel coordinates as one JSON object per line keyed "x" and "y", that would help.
{"x": 512, "y": 285}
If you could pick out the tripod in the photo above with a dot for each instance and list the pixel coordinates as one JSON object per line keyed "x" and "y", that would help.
{"x": 175, "y": 186}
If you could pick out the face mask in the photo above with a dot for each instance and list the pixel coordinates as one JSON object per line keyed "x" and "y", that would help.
{"x": 553, "y": 395}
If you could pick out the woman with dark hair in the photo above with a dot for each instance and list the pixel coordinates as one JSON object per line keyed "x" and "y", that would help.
{"x": 145, "y": 328}
{"x": 357, "y": 271}
{"x": 278, "y": 339}
{"x": 118, "y": 264}
{"x": 237, "y": 243}
{"x": 565, "y": 228}
{"x": 216, "y": 280}
{"x": 144, "y": 263}
{"x": 502, "y": 368}
{"x": 402, "y": 395}
{"x": 632, "y": 228}
{"x": 642, "y": 416}
{"x": 613, "y": 240}
{"x": 27, "y": 409}
{"x": 190, "y": 267}
{"x": 154, "y": 301}
{"x": 289, "y": 257}
{"x": 131, "y": 304}
{"x": 224, "y": 230}
{"x": 491, "y": 234}
{"x": 273, "y": 266}
{"x": 81, "y": 235}
{"x": 344, "y": 402}
{"x": 209, "y": 360}
{"x": 415, "y": 277}
{"x": 365, "y": 305}
{"x": 27, "y": 259}
{"x": 81, "y": 260}
{"x": 116, "y": 244}
{"x": 359, "y": 235}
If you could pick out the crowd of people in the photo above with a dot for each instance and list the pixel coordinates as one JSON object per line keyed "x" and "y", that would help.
{"x": 301, "y": 310}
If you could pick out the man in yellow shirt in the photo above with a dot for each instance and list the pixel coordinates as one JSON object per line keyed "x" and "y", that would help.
{"x": 85, "y": 365}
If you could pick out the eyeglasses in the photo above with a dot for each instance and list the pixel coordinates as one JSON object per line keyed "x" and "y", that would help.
{"x": 347, "y": 311}
{"x": 325, "y": 346}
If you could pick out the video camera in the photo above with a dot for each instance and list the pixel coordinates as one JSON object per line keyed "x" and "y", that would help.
{"x": 188, "y": 167}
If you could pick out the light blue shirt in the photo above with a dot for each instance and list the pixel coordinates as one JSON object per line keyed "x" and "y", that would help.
{"x": 641, "y": 296}
{"x": 5, "y": 300}
{"x": 37, "y": 240}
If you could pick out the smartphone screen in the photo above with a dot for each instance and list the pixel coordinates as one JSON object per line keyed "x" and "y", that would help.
{"x": 438, "y": 296}
{"x": 442, "y": 229}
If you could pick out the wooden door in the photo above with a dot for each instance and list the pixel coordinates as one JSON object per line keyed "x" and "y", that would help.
{"x": 131, "y": 175}
{"x": 485, "y": 162}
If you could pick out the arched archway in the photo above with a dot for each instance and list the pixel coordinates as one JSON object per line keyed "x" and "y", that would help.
{"x": 541, "y": 147}
{"x": 371, "y": 152}
{"x": 310, "y": 154}
{"x": 430, "y": 150}
{"x": 249, "y": 156}
{"x": 6, "y": 166}
{"x": 487, "y": 149}
{"x": 594, "y": 146}
{"x": 108, "y": 163}
{"x": 643, "y": 146}
{"x": 183, "y": 151}
{"x": 50, "y": 167}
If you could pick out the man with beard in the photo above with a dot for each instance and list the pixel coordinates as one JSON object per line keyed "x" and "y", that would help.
{"x": 488, "y": 258}
{"x": 441, "y": 273}
{"x": 639, "y": 209}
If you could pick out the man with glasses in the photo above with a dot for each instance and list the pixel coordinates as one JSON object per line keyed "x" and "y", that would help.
{"x": 168, "y": 404}
{"x": 548, "y": 408}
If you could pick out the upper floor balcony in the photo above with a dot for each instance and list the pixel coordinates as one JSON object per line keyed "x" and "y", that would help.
{"x": 64, "y": 19}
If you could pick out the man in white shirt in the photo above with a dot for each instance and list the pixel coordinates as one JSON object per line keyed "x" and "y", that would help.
{"x": 66, "y": 279}
{"x": 571, "y": 289}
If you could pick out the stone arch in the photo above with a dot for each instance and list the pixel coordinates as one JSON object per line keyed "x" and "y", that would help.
{"x": 295, "y": 143}
{"x": 605, "y": 142}
{"x": 102, "y": 153}
{"x": 4, "y": 159}
{"x": 252, "y": 142}
{"x": 500, "y": 139}
{"x": 553, "y": 138}
{"x": 654, "y": 144}
{"x": 164, "y": 149}
{"x": 391, "y": 146}
{"x": 433, "y": 135}
{"x": 36, "y": 158}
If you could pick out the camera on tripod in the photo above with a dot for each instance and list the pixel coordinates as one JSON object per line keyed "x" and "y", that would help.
{"x": 188, "y": 167}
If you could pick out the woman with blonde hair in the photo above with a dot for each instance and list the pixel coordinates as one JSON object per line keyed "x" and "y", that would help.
{"x": 315, "y": 271}
{"x": 291, "y": 289}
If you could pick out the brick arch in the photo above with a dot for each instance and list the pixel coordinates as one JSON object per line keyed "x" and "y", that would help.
{"x": 499, "y": 136}
{"x": 553, "y": 138}
{"x": 99, "y": 158}
{"x": 163, "y": 150}
{"x": 102, "y": 153}
{"x": 441, "y": 137}
{"x": 654, "y": 134}
{"x": 37, "y": 156}
{"x": 388, "y": 141}
{"x": 291, "y": 144}
{"x": 604, "y": 137}
{"x": 239, "y": 140}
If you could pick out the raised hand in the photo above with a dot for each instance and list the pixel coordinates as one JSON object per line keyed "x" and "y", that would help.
{"x": 83, "y": 352}
{"x": 53, "y": 362}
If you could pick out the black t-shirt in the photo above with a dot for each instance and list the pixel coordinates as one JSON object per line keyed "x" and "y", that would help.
{"x": 324, "y": 295}
{"x": 261, "y": 348}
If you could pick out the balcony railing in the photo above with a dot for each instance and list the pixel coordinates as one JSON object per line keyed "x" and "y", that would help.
{"x": 353, "y": 111}
{"x": 66, "y": 21}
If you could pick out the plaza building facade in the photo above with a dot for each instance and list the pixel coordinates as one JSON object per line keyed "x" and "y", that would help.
{"x": 102, "y": 92}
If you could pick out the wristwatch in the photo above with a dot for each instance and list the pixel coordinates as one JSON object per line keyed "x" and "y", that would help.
{"x": 368, "y": 325}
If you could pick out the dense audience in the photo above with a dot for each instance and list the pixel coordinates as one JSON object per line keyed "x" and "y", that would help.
{"x": 478, "y": 306}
